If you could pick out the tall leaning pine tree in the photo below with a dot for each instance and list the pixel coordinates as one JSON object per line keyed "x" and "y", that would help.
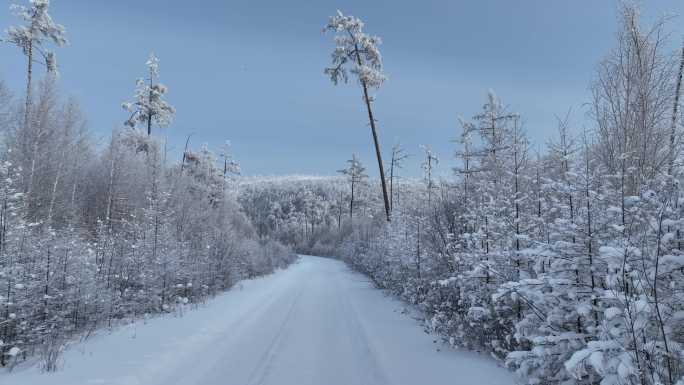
{"x": 32, "y": 37}
{"x": 359, "y": 51}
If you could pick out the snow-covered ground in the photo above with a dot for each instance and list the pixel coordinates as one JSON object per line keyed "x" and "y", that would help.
{"x": 315, "y": 323}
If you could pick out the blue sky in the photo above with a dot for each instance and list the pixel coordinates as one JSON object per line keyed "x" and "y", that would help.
{"x": 251, "y": 71}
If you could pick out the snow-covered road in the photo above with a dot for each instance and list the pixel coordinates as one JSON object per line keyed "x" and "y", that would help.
{"x": 316, "y": 323}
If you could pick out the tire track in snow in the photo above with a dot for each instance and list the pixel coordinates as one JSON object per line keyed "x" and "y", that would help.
{"x": 369, "y": 361}
{"x": 224, "y": 334}
{"x": 263, "y": 368}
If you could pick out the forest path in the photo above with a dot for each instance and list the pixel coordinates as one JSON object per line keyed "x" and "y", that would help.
{"x": 316, "y": 323}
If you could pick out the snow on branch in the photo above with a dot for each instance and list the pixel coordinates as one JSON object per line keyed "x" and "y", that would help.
{"x": 37, "y": 30}
{"x": 149, "y": 105}
{"x": 355, "y": 52}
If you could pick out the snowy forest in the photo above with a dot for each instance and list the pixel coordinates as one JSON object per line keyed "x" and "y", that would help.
{"x": 564, "y": 261}
{"x": 90, "y": 237}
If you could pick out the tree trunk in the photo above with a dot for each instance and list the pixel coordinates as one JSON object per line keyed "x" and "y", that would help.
{"x": 675, "y": 112}
{"x": 656, "y": 301}
{"x": 29, "y": 85}
{"x": 377, "y": 152}
{"x": 185, "y": 153}
{"x": 110, "y": 187}
{"x": 149, "y": 112}
{"x": 53, "y": 195}
{"x": 339, "y": 212}
{"x": 351, "y": 202}
{"x": 391, "y": 190}
{"x": 590, "y": 250}
{"x": 374, "y": 130}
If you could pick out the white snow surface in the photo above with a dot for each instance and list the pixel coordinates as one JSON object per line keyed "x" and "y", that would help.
{"x": 316, "y": 323}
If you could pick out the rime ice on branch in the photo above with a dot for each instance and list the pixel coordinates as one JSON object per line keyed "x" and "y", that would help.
{"x": 149, "y": 105}
{"x": 39, "y": 29}
{"x": 354, "y": 49}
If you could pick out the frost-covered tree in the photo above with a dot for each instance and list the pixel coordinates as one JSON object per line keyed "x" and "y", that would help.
{"x": 399, "y": 156}
{"x": 32, "y": 37}
{"x": 357, "y": 53}
{"x": 632, "y": 101}
{"x": 429, "y": 164}
{"x": 230, "y": 165}
{"x": 5, "y": 109}
{"x": 357, "y": 178}
{"x": 52, "y": 152}
{"x": 149, "y": 106}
